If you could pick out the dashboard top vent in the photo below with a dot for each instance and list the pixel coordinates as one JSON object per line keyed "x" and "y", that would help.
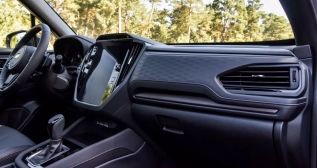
{"x": 268, "y": 78}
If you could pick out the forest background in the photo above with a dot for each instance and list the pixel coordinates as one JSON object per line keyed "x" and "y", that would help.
{"x": 167, "y": 21}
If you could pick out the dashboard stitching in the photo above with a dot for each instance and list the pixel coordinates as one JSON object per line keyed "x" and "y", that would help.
{"x": 120, "y": 108}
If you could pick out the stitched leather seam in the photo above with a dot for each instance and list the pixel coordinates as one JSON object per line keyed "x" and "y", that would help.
{"x": 9, "y": 155}
{"x": 97, "y": 156}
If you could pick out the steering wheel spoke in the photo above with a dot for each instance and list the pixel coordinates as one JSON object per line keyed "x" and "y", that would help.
{"x": 6, "y": 65}
{"x": 9, "y": 80}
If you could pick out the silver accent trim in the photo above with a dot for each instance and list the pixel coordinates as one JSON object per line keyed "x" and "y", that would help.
{"x": 31, "y": 165}
{"x": 258, "y": 76}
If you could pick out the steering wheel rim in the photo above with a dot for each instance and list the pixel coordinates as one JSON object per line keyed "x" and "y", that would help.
{"x": 35, "y": 59}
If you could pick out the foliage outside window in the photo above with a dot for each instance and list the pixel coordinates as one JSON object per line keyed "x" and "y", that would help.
{"x": 13, "y": 17}
{"x": 175, "y": 21}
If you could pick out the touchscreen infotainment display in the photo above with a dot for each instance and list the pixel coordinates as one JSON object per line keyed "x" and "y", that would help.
{"x": 101, "y": 70}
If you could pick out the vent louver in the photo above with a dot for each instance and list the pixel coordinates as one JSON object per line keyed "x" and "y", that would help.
{"x": 133, "y": 54}
{"x": 261, "y": 78}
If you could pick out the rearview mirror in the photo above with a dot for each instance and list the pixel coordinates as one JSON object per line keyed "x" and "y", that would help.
{"x": 12, "y": 39}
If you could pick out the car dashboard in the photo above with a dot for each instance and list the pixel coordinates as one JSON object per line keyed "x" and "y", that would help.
{"x": 72, "y": 48}
{"x": 244, "y": 106}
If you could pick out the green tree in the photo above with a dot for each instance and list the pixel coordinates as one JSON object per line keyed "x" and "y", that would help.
{"x": 88, "y": 9}
{"x": 13, "y": 17}
{"x": 184, "y": 19}
{"x": 67, "y": 9}
{"x": 108, "y": 17}
{"x": 153, "y": 10}
{"x": 230, "y": 20}
{"x": 135, "y": 14}
{"x": 276, "y": 28}
{"x": 253, "y": 30}
{"x": 204, "y": 31}
{"x": 161, "y": 26}
{"x": 180, "y": 21}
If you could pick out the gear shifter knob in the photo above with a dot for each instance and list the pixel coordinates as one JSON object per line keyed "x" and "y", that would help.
{"x": 55, "y": 127}
{"x": 55, "y": 130}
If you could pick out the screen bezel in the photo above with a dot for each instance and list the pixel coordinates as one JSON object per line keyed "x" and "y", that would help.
{"x": 108, "y": 45}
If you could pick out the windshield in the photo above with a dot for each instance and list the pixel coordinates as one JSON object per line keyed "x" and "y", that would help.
{"x": 178, "y": 21}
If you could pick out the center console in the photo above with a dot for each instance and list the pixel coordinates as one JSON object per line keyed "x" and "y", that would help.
{"x": 96, "y": 141}
{"x": 89, "y": 142}
{"x": 55, "y": 147}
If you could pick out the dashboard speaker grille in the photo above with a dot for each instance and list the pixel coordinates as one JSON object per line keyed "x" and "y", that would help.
{"x": 261, "y": 78}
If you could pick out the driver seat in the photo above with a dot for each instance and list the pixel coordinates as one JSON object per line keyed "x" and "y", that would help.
{"x": 12, "y": 143}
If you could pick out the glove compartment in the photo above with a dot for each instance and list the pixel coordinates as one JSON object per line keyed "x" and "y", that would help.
{"x": 201, "y": 139}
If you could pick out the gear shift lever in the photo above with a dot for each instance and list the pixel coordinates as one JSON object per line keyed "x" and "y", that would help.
{"x": 55, "y": 127}
{"x": 55, "y": 130}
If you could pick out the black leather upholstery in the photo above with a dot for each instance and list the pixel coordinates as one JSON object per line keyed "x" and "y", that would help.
{"x": 12, "y": 143}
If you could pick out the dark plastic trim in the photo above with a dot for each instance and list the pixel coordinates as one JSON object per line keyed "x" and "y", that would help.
{"x": 198, "y": 101}
{"x": 195, "y": 72}
{"x": 32, "y": 107}
{"x": 125, "y": 139}
{"x": 302, "y": 52}
{"x": 231, "y": 140}
{"x": 279, "y": 134}
{"x": 143, "y": 158}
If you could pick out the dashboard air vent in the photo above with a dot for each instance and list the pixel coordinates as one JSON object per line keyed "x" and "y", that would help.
{"x": 133, "y": 54}
{"x": 262, "y": 78}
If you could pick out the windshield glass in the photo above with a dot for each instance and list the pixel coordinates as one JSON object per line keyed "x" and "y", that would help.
{"x": 178, "y": 21}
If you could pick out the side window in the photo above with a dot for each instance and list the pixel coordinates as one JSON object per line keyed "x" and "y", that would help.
{"x": 52, "y": 41}
{"x": 53, "y": 36}
{"x": 15, "y": 20}
{"x": 13, "y": 17}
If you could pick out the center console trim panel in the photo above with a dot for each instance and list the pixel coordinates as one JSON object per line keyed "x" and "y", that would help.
{"x": 88, "y": 154}
{"x": 111, "y": 101}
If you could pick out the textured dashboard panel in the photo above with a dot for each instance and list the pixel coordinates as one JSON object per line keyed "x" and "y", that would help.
{"x": 199, "y": 73}
{"x": 195, "y": 68}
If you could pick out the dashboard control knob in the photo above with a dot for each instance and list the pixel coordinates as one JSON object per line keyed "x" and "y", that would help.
{"x": 59, "y": 59}
{"x": 58, "y": 66}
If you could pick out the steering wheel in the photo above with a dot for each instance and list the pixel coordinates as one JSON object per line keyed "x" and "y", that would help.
{"x": 24, "y": 60}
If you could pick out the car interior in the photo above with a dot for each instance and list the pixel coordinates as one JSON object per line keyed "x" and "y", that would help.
{"x": 121, "y": 100}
